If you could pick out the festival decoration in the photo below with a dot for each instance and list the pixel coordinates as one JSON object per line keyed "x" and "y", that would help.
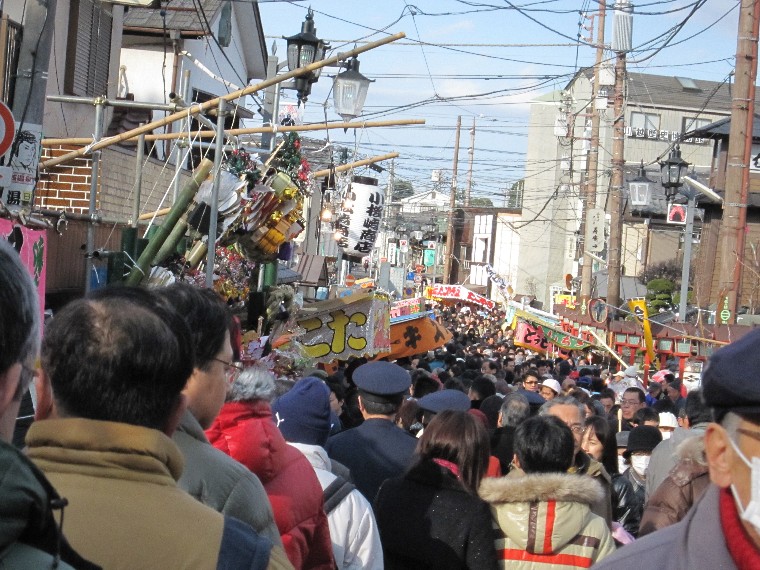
{"x": 639, "y": 309}
{"x": 31, "y": 246}
{"x": 460, "y": 293}
{"x": 337, "y": 329}
{"x": 411, "y": 336}
{"x": 360, "y": 214}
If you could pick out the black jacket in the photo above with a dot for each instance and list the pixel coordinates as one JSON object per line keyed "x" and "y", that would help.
{"x": 427, "y": 520}
{"x": 502, "y": 446}
{"x": 626, "y": 505}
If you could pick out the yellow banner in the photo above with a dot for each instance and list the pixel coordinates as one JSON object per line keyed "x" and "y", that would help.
{"x": 639, "y": 309}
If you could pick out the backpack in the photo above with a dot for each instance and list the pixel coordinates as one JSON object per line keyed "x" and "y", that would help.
{"x": 336, "y": 492}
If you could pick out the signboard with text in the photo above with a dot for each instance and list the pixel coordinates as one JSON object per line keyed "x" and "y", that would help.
{"x": 460, "y": 293}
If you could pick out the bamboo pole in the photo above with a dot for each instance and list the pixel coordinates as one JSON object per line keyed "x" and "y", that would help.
{"x": 358, "y": 163}
{"x": 210, "y": 104}
{"x": 157, "y": 213}
{"x": 142, "y": 267}
{"x": 252, "y": 131}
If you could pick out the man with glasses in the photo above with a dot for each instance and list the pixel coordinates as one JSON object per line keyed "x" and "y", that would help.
{"x": 572, "y": 412}
{"x": 722, "y": 530}
{"x": 211, "y": 476}
{"x": 632, "y": 401}
{"x": 530, "y": 381}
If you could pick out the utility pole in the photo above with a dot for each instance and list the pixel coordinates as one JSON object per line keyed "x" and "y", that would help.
{"x": 32, "y": 73}
{"x": 452, "y": 206}
{"x": 621, "y": 45}
{"x": 588, "y": 190}
{"x": 472, "y": 157}
{"x": 732, "y": 228}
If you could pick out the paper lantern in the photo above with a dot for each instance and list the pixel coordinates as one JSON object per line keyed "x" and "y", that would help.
{"x": 359, "y": 220}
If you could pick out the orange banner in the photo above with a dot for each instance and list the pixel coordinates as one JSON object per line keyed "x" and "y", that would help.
{"x": 416, "y": 336}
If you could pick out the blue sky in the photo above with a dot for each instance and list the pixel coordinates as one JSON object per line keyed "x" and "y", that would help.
{"x": 474, "y": 47}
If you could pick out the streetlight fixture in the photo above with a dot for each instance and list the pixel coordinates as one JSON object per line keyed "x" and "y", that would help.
{"x": 640, "y": 188}
{"x": 350, "y": 90}
{"x": 672, "y": 171}
{"x": 304, "y": 49}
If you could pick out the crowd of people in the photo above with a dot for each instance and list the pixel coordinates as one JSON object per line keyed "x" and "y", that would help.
{"x": 163, "y": 452}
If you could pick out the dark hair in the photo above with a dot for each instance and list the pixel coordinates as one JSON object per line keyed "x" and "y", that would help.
{"x": 606, "y": 435}
{"x": 608, "y": 393}
{"x": 490, "y": 407}
{"x": 19, "y": 315}
{"x": 696, "y": 410}
{"x": 530, "y": 372}
{"x": 665, "y": 405}
{"x": 120, "y": 355}
{"x": 483, "y": 387}
{"x": 206, "y": 315}
{"x": 544, "y": 444}
{"x": 644, "y": 415}
{"x": 453, "y": 384}
{"x": 423, "y": 384}
{"x": 409, "y": 414}
{"x": 460, "y": 438}
{"x": 386, "y": 408}
{"x": 336, "y": 387}
{"x": 637, "y": 391}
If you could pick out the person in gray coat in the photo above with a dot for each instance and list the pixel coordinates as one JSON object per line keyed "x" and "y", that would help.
{"x": 722, "y": 530}
{"x": 213, "y": 477}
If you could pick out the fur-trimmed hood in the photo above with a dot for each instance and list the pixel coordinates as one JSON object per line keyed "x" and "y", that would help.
{"x": 541, "y": 487}
{"x": 543, "y": 512}
{"x": 692, "y": 449}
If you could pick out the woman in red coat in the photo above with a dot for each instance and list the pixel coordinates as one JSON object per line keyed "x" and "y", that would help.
{"x": 246, "y": 432}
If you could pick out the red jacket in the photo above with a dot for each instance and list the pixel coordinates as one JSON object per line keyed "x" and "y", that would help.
{"x": 246, "y": 432}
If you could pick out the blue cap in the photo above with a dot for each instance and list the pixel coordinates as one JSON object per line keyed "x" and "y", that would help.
{"x": 383, "y": 379}
{"x": 445, "y": 400}
{"x": 729, "y": 379}
{"x": 534, "y": 398}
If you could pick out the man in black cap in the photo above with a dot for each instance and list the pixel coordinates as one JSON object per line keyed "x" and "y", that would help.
{"x": 722, "y": 530}
{"x": 376, "y": 450}
{"x": 432, "y": 404}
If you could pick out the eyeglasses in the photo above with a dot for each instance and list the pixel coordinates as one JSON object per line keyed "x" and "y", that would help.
{"x": 531, "y": 382}
{"x": 749, "y": 433}
{"x": 231, "y": 369}
{"x": 630, "y": 403}
{"x": 578, "y": 429}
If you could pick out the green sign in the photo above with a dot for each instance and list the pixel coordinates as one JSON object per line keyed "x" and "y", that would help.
{"x": 428, "y": 257}
{"x": 564, "y": 340}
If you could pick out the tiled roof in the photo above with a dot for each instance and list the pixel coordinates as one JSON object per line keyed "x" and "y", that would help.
{"x": 180, "y": 15}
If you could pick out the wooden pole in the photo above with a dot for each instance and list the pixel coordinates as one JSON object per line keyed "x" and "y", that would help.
{"x": 212, "y": 103}
{"x": 253, "y": 131}
{"x": 358, "y": 163}
{"x": 452, "y": 206}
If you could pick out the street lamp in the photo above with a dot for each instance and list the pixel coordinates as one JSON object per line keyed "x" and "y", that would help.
{"x": 350, "y": 90}
{"x": 640, "y": 188}
{"x": 304, "y": 49}
{"x": 672, "y": 171}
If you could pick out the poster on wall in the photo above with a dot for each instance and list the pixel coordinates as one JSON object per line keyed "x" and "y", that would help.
{"x": 31, "y": 246}
{"x": 18, "y": 178}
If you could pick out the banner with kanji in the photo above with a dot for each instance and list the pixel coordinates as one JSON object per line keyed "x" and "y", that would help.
{"x": 337, "y": 329}
{"x": 31, "y": 246}
{"x": 415, "y": 336}
{"x": 460, "y": 293}
{"x": 530, "y": 336}
{"x": 564, "y": 340}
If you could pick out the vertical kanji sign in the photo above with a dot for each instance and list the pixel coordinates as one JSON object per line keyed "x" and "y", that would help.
{"x": 359, "y": 221}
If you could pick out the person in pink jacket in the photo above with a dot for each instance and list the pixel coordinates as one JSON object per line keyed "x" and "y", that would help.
{"x": 245, "y": 430}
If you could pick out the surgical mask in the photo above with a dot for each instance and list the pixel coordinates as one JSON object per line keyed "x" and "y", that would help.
{"x": 666, "y": 435}
{"x": 640, "y": 464}
{"x": 751, "y": 514}
{"x": 622, "y": 466}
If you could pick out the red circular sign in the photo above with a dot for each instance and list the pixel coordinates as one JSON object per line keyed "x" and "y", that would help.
{"x": 350, "y": 280}
{"x": 7, "y": 128}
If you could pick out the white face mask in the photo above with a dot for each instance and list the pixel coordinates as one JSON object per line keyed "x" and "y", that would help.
{"x": 639, "y": 463}
{"x": 751, "y": 514}
{"x": 666, "y": 435}
{"x": 622, "y": 466}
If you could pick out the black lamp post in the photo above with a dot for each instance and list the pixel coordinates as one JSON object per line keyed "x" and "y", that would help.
{"x": 672, "y": 171}
{"x": 304, "y": 49}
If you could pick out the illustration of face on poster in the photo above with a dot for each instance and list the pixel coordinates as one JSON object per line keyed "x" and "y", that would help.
{"x": 25, "y": 157}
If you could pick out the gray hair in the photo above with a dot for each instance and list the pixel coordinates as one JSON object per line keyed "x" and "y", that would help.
{"x": 562, "y": 401}
{"x": 514, "y": 410}
{"x": 19, "y": 307}
{"x": 253, "y": 383}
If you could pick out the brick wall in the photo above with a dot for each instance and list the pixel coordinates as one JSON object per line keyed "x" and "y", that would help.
{"x": 67, "y": 186}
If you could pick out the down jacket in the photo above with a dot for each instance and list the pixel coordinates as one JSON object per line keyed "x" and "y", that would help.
{"x": 682, "y": 488}
{"x": 246, "y": 432}
{"x": 544, "y": 521}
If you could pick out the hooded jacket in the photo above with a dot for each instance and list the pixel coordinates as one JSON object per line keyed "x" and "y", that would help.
{"x": 29, "y": 536}
{"x": 682, "y": 488}
{"x": 664, "y": 455}
{"x": 353, "y": 529}
{"x": 246, "y": 432}
{"x": 544, "y": 520}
